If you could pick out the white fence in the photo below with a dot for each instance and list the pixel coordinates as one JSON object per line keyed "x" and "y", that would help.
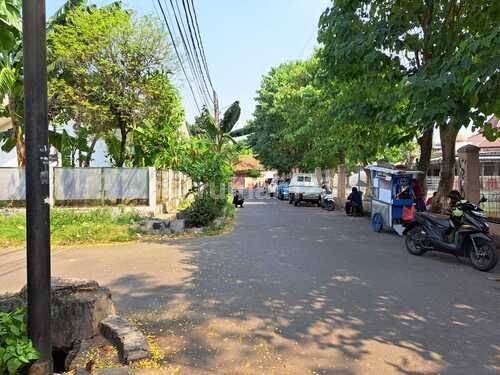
{"x": 12, "y": 184}
{"x": 157, "y": 189}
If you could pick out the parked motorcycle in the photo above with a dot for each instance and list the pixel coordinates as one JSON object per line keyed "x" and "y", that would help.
{"x": 327, "y": 201}
{"x": 466, "y": 236}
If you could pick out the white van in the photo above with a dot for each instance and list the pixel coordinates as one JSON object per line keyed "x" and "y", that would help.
{"x": 304, "y": 187}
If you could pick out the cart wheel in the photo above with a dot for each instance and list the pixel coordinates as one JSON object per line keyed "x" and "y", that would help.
{"x": 377, "y": 222}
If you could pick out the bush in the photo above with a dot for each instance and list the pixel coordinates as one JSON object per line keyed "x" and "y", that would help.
{"x": 204, "y": 210}
{"x": 16, "y": 349}
{"x": 253, "y": 173}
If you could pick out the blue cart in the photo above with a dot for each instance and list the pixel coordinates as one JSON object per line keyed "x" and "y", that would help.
{"x": 391, "y": 193}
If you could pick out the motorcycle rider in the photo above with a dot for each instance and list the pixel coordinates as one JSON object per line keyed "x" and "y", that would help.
{"x": 456, "y": 214}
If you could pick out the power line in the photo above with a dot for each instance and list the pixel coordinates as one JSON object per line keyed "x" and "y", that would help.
{"x": 200, "y": 41}
{"x": 190, "y": 64}
{"x": 190, "y": 55}
{"x": 194, "y": 56}
{"x": 188, "y": 18}
{"x": 178, "y": 55}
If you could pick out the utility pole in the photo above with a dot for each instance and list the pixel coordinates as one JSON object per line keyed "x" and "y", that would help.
{"x": 216, "y": 108}
{"x": 37, "y": 182}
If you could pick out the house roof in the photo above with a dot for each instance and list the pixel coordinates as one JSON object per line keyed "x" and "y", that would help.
{"x": 480, "y": 141}
{"x": 247, "y": 162}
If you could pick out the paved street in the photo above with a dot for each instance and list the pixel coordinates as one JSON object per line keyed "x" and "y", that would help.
{"x": 296, "y": 290}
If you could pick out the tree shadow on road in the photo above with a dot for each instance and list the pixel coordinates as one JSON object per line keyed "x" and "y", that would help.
{"x": 291, "y": 316}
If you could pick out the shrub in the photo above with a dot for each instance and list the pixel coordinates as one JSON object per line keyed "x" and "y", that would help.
{"x": 16, "y": 349}
{"x": 253, "y": 173}
{"x": 204, "y": 210}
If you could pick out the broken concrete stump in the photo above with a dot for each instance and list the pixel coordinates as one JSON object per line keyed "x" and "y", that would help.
{"x": 177, "y": 226}
{"x": 130, "y": 342}
{"x": 156, "y": 226}
{"x": 77, "y": 308}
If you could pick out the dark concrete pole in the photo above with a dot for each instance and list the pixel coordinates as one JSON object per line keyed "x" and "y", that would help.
{"x": 37, "y": 181}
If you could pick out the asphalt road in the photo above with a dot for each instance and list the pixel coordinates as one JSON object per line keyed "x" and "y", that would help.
{"x": 296, "y": 290}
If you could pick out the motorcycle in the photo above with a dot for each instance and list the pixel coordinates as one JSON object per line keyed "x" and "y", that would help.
{"x": 466, "y": 236}
{"x": 327, "y": 201}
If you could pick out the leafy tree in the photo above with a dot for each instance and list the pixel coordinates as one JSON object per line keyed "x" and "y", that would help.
{"x": 159, "y": 129}
{"x": 306, "y": 118}
{"x": 110, "y": 77}
{"x": 427, "y": 45}
{"x": 207, "y": 157}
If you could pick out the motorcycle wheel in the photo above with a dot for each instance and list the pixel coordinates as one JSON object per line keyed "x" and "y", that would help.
{"x": 487, "y": 258}
{"x": 330, "y": 206}
{"x": 413, "y": 241}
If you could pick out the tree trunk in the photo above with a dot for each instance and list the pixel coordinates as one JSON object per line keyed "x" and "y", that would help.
{"x": 341, "y": 180}
{"x": 425, "y": 143}
{"x": 368, "y": 173}
{"x": 123, "y": 144}
{"x": 90, "y": 152}
{"x": 18, "y": 134}
{"x": 448, "y": 135}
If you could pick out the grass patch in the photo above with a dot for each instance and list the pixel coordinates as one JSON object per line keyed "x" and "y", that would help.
{"x": 70, "y": 227}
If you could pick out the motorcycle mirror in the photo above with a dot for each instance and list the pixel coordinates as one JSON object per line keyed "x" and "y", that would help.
{"x": 483, "y": 199}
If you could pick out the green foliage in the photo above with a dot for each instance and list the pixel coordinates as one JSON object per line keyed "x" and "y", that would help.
{"x": 305, "y": 118}
{"x": 11, "y": 67}
{"x": 16, "y": 349}
{"x": 204, "y": 209}
{"x": 69, "y": 226}
{"x": 109, "y": 74}
{"x": 207, "y": 157}
{"x": 231, "y": 117}
{"x": 253, "y": 173}
{"x": 10, "y": 24}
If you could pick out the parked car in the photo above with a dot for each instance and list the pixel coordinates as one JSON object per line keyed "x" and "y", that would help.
{"x": 282, "y": 190}
{"x": 304, "y": 187}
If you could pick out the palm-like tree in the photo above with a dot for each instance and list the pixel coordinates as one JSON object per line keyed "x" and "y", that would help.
{"x": 11, "y": 86}
{"x": 218, "y": 132}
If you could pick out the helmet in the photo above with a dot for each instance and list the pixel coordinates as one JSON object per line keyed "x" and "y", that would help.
{"x": 454, "y": 195}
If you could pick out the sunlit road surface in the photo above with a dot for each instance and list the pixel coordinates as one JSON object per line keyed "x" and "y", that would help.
{"x": 295, "y": 290}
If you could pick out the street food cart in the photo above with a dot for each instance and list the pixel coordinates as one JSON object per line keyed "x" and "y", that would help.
{"x": 392, "y": 199}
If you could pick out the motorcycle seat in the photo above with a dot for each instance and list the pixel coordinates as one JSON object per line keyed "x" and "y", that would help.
{"x": 441, "y": 220}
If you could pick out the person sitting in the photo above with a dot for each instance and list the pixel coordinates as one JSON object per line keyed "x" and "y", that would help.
{"x": 418, "y": 196}
{"x": 428, "y": 204}
{"x": 354, "y": 204}
{"x": 238, "y": 199}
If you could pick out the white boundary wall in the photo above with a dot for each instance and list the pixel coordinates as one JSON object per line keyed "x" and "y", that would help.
{"x": 80, "y": 187}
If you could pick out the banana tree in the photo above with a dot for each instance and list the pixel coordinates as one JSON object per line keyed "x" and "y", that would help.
{"x": 219, "y": 132}
{"x": 11, "y": 85}
{"x": 11, "y": 71}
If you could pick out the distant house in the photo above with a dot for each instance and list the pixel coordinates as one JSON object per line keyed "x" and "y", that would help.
{"x": 489, "y": 154}
{"x": 248, "y": 172}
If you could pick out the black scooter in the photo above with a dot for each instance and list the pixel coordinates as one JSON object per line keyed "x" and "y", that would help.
{"x": 467, "y": 236}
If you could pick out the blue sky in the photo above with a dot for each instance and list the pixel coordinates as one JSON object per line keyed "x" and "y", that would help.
{"x": 243, "y": 39}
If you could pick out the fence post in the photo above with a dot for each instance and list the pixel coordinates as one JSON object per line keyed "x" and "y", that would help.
{"x": 52, "y": 186}
{"x": 152, "y": 189}
{"x": 469, "y": 159}
{"x": 102, "y": 187}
